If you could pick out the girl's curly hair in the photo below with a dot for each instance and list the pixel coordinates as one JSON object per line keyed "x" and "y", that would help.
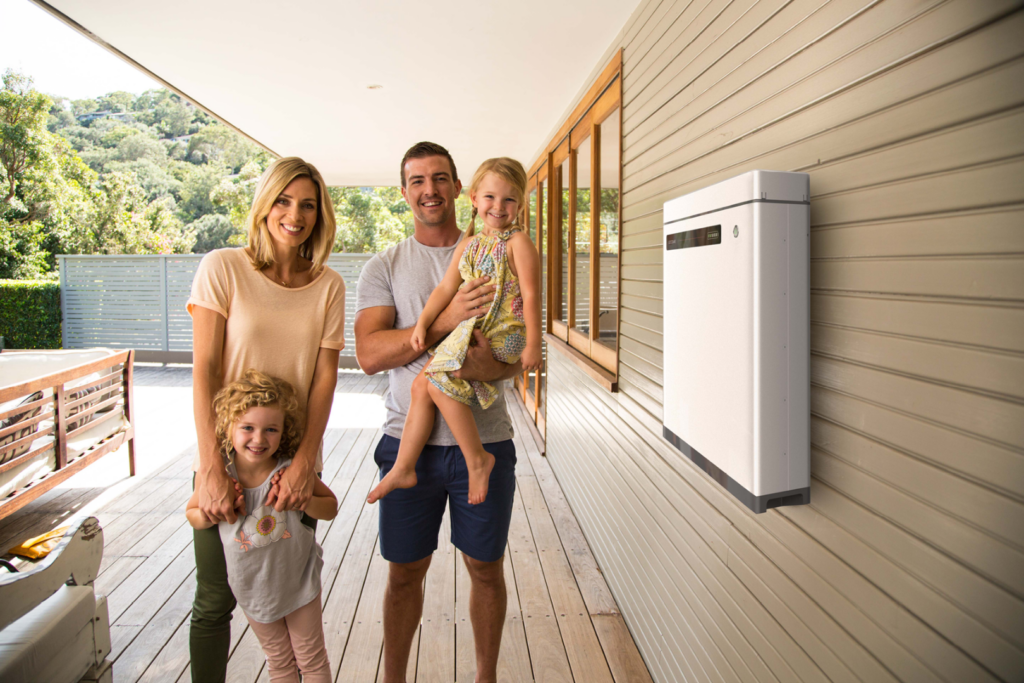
{"x": 257, "y": 389}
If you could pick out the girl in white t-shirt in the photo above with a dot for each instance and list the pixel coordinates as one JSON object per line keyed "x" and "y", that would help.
{"x": 273, "y": 559}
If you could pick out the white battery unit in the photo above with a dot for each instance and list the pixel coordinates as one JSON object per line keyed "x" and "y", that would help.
{"x": 737, "y": 334}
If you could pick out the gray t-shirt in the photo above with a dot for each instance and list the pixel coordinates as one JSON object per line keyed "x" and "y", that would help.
{"x": 403, "y": 277}
{"x": 273, "y": 559}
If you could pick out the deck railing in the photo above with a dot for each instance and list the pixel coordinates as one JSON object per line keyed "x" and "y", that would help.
{"x": 138, "y": 302}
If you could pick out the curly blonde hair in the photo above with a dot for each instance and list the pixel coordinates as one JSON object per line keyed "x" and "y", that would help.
{"x": 257, "y": 390}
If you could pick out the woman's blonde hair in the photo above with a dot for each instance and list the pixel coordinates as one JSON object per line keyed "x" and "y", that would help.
{"x": 509, "y": 170}
{"x": 258, "y": 390}
{"x": 270, "y": 186}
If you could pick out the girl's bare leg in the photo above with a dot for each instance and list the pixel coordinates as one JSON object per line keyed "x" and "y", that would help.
{"x": 418, "y": 425}
{"x": 478, "y": 461}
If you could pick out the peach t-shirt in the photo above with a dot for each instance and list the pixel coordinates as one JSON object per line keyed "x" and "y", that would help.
{"x": 271, "y": 328}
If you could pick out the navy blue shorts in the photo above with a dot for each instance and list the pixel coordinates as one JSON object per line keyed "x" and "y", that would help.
{"x": 410, "y": 519}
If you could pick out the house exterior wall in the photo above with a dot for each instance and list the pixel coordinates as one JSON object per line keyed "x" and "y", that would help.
{"x": 909, "y": 562}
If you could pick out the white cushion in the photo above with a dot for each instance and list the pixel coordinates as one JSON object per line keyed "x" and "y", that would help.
{"x": 54, "y": 642}
{"x": 19, "y": 367}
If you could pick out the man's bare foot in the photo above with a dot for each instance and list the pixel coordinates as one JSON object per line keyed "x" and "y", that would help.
{"x": 395, "y": 479}
{"x": 479, "y": 477}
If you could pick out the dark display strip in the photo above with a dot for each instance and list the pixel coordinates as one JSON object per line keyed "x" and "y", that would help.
{"x": 701, "y": 237}
{"x": 755, "y": 503}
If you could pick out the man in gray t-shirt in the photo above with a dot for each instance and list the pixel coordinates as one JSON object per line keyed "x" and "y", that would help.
{"x": 393, "y": 288}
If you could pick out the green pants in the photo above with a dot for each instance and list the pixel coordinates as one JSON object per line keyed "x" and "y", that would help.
{"x": 209, "y": 634}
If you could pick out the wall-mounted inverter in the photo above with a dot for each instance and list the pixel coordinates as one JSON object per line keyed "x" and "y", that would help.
{"x": 737, "y": 334}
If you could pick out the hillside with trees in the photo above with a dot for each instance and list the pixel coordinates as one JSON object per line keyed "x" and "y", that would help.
{"x": 142, "y": 174}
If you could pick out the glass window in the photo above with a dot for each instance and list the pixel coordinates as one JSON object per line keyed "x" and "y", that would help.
{"x": 584, "y": 159}
{"x": 608, "y": 261}
{"x": 563, "y": 177}
{"x": 537, "y": 385}
{"x": 531, "y": 216}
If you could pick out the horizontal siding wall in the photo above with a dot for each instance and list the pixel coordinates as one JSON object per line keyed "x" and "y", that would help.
{"x": 909, "y": 562}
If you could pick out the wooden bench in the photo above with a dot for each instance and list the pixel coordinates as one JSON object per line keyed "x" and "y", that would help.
{"x": 60, "y": 411}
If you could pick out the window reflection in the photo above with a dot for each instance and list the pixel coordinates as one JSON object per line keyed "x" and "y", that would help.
{"x": 564, "y": 214}
{"x": 609, "y": 231}
{"x": 584, "y": 162}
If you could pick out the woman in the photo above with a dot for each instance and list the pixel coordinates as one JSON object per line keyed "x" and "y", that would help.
{"x": 276, "y": 307}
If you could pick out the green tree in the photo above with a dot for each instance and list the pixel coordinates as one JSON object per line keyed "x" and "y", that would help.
{"x": 135, "y": 147}
{"x": 22, "y": 256}
{"x": 212, "y": 231}
{"x": 197, "y": 186}
{"x": 125, "y": 223}
{"x": 369, "y": 219}
{"x": 117, "y": 101}
{"x": 173, "y": 117}
{"x": 23, "y": 134}
{"x": 234, "y": 195}
{"x": 218, "y": 144}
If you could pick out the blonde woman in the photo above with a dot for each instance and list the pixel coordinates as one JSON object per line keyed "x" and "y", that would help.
{"x": 275, "y": 306}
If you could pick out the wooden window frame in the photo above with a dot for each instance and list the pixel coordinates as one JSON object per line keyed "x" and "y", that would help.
{"x": 603, "y": 98}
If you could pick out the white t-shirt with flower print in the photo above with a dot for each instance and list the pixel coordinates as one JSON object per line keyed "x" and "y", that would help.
{"x": 273, "y": 559}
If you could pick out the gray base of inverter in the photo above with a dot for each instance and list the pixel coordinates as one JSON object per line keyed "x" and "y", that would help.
{"x": 756, "y": 503}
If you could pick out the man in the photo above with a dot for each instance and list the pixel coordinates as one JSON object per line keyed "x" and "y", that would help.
{"x": 393, "y": 289}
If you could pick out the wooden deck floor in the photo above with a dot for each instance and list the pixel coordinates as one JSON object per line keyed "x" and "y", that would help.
{"x": 561, "y": 625}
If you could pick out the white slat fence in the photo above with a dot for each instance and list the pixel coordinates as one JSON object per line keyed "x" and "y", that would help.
{"x": 138, "y": 302}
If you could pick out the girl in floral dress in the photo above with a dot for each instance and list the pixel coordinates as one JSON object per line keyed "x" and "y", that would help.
{"x": 505, "y": 254}
{"x": 273, "y": 559}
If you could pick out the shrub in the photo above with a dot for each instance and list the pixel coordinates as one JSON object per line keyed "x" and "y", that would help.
{"x": 30, "y": 314}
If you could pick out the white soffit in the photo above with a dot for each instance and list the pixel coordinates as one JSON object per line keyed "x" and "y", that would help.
{"x": 481, "y": 78}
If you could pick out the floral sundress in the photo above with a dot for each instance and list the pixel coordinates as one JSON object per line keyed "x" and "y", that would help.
{"x": 503, "y": 324}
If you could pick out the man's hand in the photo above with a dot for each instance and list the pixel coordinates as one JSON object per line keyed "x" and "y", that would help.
{"x": 480, "y": 363}
{"x": 472, "y": 301}
{"x": 218, "y": 499}
{"x": 295, "y": 488}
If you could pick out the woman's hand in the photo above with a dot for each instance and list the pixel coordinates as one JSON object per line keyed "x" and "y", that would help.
{"x": 532, "y": 359}
{"x": 218, "y": 499}
{"x": 294, "y": 488}
{"x": 275, "y": 486}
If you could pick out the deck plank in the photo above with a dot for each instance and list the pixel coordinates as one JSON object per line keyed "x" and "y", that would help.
{"x": 550, "y": 663}
{"x": 363, "y": 649}
{"x": 465, "y": 654}
{"x": 343, "y": 593}
{"x": 514, "y": 658}
{"x": 136, "y": 658}
{"x": 437, "y": 632}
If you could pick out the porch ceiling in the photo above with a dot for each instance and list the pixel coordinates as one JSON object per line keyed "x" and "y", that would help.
{"x": 482, "y": 78}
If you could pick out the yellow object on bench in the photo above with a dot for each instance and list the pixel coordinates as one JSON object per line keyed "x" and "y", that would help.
{"x": 40, "y": 546}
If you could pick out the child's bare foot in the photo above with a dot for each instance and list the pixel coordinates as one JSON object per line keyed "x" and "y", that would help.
{"x": 479, "y": 477}
{"x": 395, "y": 479}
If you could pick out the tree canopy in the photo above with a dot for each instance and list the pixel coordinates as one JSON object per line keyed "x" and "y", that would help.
{"x": 144, "y": 174}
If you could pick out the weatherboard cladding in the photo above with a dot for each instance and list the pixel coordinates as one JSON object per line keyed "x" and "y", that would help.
{"x": 909, "y": 562}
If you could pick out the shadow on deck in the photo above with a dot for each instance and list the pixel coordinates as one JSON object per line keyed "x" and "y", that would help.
{"x": 562, "y": 623}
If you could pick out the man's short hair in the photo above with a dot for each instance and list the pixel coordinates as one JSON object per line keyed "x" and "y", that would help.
{"x": 429, "y": 149}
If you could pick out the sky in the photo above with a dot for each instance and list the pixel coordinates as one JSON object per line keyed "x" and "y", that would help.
{"x": 60, "y": 59}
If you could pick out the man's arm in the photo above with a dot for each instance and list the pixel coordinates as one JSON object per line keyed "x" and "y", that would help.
{"x": 380, "y": 347}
